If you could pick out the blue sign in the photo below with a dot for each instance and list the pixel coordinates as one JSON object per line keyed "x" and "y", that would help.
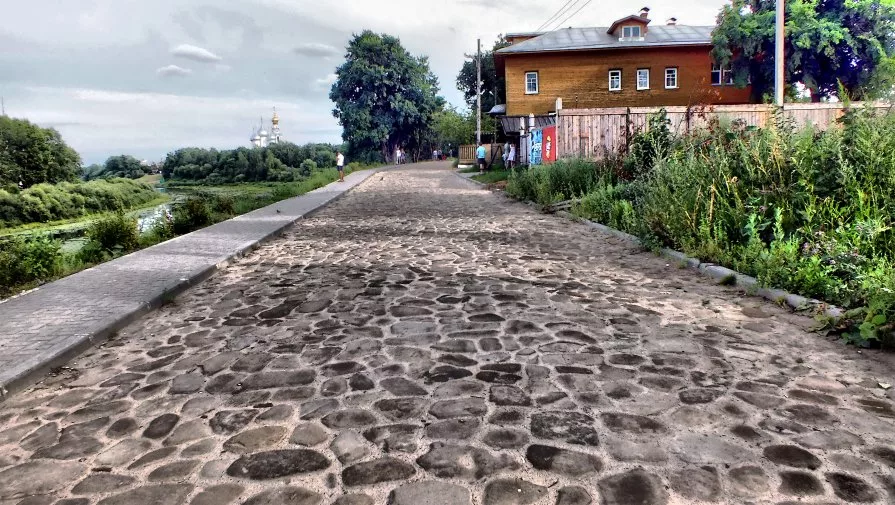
{"x": 534, "y": 153}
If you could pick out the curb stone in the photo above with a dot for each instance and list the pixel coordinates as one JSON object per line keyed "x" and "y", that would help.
{"x": 750, "y": 284}
{"x": 30, "y": 369}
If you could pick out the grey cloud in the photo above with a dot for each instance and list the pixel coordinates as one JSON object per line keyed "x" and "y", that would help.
{"x": 195, "y": 53}
{"x": 316, "y": 50}
{"x": 173, "y": 71}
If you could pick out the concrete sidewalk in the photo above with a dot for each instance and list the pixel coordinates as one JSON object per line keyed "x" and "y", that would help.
{"x": 50, "y": 325}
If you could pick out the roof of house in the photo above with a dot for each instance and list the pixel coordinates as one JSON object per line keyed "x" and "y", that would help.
{"x": 597, "y": 38}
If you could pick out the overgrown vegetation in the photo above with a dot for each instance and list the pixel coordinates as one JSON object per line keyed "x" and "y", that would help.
{"x": 45, "y": 202}
{"x": 285, "y": 162}
{"x": 805, "y": 210}
{"x": 26, "y": 262}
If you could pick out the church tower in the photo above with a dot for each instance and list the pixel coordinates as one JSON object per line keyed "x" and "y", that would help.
{"x": 275, "y": 128}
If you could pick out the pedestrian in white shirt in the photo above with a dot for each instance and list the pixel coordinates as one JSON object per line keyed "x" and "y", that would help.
{"x": 340, "y": 165}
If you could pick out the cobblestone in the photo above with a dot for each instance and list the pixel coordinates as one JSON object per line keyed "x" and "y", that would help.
{"x": 423, "y": 339}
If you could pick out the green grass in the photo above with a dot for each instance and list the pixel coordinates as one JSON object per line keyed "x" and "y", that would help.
{"x": 74, "y": 223}
{"x": 493, "y": 176}
{"x": 240, "y": 198}
{"x": 469, "y": 170}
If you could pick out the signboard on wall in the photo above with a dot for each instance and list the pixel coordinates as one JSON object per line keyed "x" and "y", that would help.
{"x": 548, "y": 147}
{"x": 534, "y": 148}
{"x": 542, "y": 146}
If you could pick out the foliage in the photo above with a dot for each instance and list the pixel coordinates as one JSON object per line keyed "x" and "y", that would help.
{"x": 809, "y": 211}
{"x": 493, "y": 85}
{"x": 649, "y": 146}
{"x": 32, "y": 155}
{"x": 123, "y": 167}
{"x": 192, "y": 214}
{"x": 454, "y": 128}
{"x": 110, "y": 236}
{"x": 26, "y": 261}
{"x": 282, "y": 162}
{"x": 385, "y": 97}
{"x": 52, "y": 202}
{"x": 828, "y": 43}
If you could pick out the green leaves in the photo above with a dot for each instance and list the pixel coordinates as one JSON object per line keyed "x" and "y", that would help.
{"x": 826, "y": 43}
{"x": 384, "y": 96}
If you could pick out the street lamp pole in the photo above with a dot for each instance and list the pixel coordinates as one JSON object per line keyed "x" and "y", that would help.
{"x": 778, "y": 55}
{"x": 478, "y": 93}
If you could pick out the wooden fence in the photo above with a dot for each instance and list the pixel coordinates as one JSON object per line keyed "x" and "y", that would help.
{"x": 468, "y": 157}
{"x": 592, "y": 133}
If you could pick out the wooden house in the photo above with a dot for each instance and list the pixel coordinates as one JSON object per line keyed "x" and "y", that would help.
{"x": 627, "y": 64}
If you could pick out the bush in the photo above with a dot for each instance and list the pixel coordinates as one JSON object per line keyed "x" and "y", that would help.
{"x": 24, "y": 261}
{"x": 110, "y": 236}
{"x": 54, "y": 202}
{"x": 191, "y": 215}
{"x": 809, "y": 211}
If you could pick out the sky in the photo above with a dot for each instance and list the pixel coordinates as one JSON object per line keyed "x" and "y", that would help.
{"x": 146, "y": 77}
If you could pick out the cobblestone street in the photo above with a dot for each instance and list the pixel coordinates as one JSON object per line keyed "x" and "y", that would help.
{"x": 422, "y": 341}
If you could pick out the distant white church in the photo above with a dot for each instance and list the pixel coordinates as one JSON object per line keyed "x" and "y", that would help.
{"x": 263, "y": 138}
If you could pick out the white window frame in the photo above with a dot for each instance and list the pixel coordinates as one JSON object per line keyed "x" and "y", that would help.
{"x": 669, "y": 71}
{"x": 725, "y": 76}
{"x": 640, "y": 72}
{"x": 619, "y": 72}
{"x": 537, "y": 83}
{"x": 630, "y": 32}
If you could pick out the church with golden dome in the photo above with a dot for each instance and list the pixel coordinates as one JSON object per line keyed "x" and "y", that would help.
{"x": 263, "y": 138}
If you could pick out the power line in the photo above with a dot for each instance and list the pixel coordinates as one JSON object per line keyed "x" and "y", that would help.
{"x": 556, "y": 14}
{"x": 573, "y": 14}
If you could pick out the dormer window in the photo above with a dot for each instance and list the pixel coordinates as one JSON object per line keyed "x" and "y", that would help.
{"x": 631, "y": 33}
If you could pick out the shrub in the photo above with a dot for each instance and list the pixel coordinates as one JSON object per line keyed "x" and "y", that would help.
{"x": 191, "y": 215}
{"x": 110, "y": 236}
{"x": 24, "y": 261}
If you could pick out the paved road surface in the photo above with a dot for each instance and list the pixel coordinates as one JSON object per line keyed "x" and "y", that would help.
{"x": 422, "y": 341}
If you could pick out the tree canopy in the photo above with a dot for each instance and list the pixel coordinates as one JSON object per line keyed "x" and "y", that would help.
{"x": 31, "y": 155}
{"x": 385, "y": 97}
{"x": 123, "y": 166}
{"x": 493, "y": 86}
{"x": 279, "y": 162}
{"x": 829, "y": 43}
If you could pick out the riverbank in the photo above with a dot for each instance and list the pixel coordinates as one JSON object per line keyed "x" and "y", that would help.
{"x": 32, "y": 258}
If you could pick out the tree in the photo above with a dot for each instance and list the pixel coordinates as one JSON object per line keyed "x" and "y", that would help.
{"x": 829, "y": 43}
{"x": 385, "y": 97}
{"x": 31, "y": 155}
{"x": 493, "y": 86}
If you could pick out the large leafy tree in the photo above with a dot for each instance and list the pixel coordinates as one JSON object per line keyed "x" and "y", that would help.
{"x": 385, "y": 97}
{"x": 125, "y": 166}
{"x": 829, "y": 43}
{"x": 31, "y": 155}
{"x": 493, "y": 86}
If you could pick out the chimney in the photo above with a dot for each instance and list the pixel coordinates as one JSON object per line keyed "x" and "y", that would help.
{"x": 671, "y": 21}
{"x": 644, "y": 12}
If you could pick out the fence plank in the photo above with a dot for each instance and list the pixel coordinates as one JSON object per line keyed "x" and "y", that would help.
{"x": 594, "y": 133}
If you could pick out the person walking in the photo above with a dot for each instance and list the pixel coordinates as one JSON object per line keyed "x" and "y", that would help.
{"x": 397, "y": 156}
{"x": 340, "y": 165}
{"x": 511, "y": 157}
{"x": 480, "y": 155}
{"x": 506, "y": 153}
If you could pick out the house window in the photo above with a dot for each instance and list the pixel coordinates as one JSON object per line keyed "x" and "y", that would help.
{"x": 721, "y": 76}
{"x": 531, "y": 83}
{"x": 670, "y": 78}
{"x": 642, "y": 78}
{"x": 631, "y": 32}
{"x": 615, "y": 80}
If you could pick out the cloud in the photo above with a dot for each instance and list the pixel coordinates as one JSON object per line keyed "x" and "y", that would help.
{"x": 173, "y": 71}
{"x": 316, "y": 50}
{"x": 325, "y": 83}
{"x": 195, "y": 53}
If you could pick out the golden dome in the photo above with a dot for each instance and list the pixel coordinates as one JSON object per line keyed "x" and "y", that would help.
{"x": 276, "y": 117}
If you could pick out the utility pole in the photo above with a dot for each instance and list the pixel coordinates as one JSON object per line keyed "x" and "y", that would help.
{"x": 478, "y": 93}
{"x": 778, "y": 55}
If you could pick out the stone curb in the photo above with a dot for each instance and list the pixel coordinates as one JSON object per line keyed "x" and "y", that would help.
{"x": 716, "y": 272}
{"x": 719, "y": 273}
{"x": 34, "y": 367}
